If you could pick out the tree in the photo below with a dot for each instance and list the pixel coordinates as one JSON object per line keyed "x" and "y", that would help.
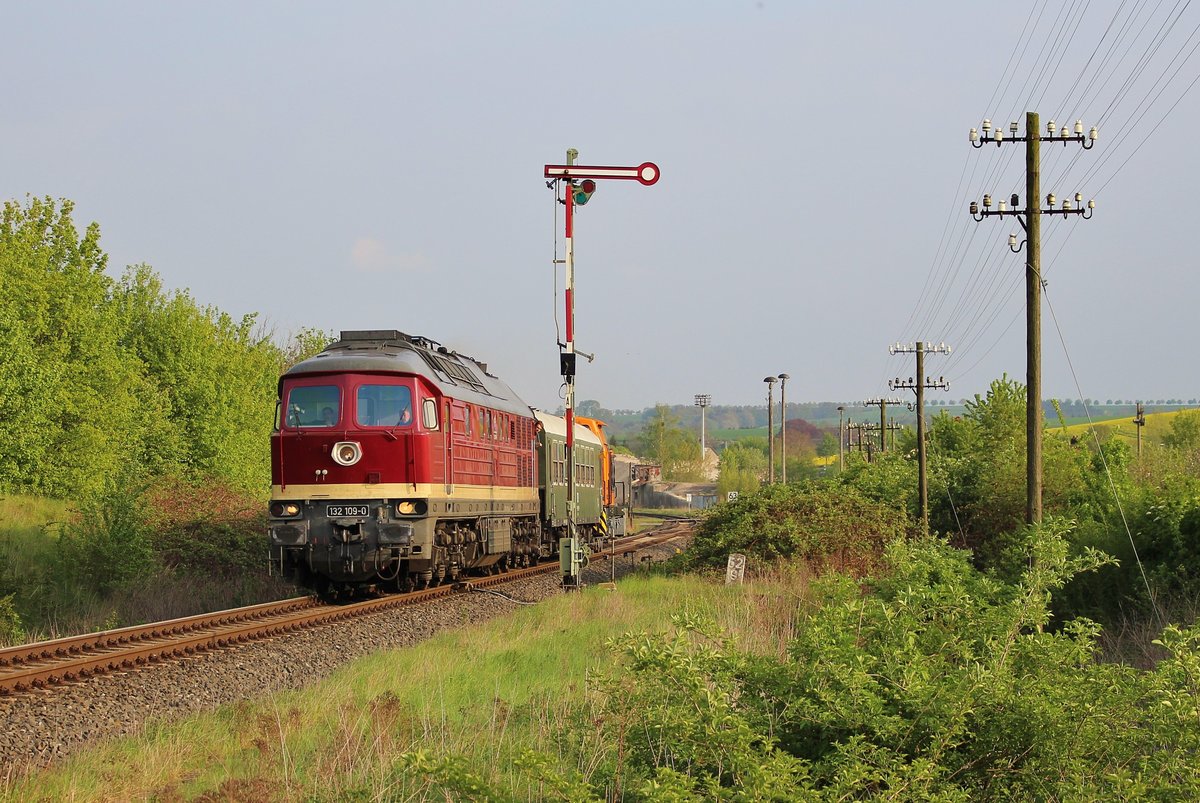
{"x": 1185, "y": 431}
{"x": 677, "y": 450}
{"x": 742, "y": 469}
{"x": 74, "y": 405}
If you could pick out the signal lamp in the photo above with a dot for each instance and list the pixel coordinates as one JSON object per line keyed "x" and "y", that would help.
{"x": 284, "y": 509}
{"x": 411, "y": 507}
{"x": 582, "y": 191}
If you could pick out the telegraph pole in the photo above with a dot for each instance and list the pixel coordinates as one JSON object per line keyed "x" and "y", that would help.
{"x": 841, "y": 440}
{"x": 770, "y": 380}
{"x": 1139, "y": 421}
{"x": 853, "y": 429}
{"x": 919, "y": 384}
{"x": 882, "y": 404}
{"x": 580, "y": 181}
{"x": 1030, "y": 220}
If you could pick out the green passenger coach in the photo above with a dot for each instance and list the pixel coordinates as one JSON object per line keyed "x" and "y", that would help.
{"x": 552, "y": 475}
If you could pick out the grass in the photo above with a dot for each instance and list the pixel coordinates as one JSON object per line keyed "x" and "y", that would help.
{"x": 29, "y": 526}
{"x": 485, "y": 693}
{"x": 29, "y": 530}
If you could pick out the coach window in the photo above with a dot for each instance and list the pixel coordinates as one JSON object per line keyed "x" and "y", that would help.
{"x": 383, "y": 406}
{"x": 314, "y": 406}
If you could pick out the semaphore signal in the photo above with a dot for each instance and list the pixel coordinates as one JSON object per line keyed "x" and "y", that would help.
{"x": 580, "y": 183}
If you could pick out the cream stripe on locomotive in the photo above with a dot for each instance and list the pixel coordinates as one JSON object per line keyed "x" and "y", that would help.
{"x": 402, "y": 490}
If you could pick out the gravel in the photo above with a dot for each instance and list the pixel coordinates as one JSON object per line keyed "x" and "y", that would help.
{"x": 43, "y": 727}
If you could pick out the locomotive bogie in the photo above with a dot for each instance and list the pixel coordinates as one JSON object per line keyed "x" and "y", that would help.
{"x": 352, "y": 540}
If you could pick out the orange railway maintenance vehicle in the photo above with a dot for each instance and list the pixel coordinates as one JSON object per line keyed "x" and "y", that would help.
{"x": 612, "y": 518}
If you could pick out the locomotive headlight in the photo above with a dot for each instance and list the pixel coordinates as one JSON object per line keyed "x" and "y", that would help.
{"x": 411, "y": 507}
{"x": 346, "y": 453}
{"x": 282, "y": 510}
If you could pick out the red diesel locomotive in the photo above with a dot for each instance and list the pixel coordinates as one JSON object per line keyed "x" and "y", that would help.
{"x": 396, "y": 462}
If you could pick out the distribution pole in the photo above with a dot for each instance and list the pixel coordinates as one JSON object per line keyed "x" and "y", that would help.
{"x": 841, "y": 441}
{"x": 919, "y": 384}
{"x": 855, "y": 432}
{"x": 770, "y": 380}
{"x": 1033, "y": 325}
{"x": 1030, "y": 220}
{"x": 783, "y": 378}
{"x": 1139, "y": 421}
{"x": 882, "y": 404}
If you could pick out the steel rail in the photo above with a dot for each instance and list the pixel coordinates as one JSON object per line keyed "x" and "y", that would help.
{"x": 106, "y": 639}
{"x": 49, "y": 663}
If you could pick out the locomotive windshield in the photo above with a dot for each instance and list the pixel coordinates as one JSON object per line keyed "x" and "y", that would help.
{"x": 383, "y": 406}
{"x": 314, "y": 406}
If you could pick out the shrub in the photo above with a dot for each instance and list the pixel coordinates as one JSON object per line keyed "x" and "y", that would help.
{"x": 937, "y": 683}
{"x": 109, "y": 546}
{"x": 821, "y": 524}
{"x": 11, "y": 629}
{"x": 206, "y": 528}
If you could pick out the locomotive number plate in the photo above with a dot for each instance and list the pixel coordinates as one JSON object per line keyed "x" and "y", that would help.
{"x": 341, "y": 511}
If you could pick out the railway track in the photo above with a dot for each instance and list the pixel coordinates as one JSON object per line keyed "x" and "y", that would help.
{"x": 665, "y": 516}
{"x": 76, "y": 658}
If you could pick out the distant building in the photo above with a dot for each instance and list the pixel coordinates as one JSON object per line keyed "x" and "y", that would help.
{"x": 646, "y": 472}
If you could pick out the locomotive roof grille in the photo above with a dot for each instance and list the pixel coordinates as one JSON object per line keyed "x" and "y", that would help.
{"x": 377, "y": 334}
{"x": 444, "y": 362}
{"x": 455, "y": 372}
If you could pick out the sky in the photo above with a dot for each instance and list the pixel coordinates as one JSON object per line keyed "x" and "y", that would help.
{"x": 378, "y": 165}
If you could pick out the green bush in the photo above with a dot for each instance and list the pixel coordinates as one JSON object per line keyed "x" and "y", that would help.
{"x": 819, "y": 523}
{"x": 935, "y": 682}
{"x": 108, "y": 548}
{"x": 12, "y": 631}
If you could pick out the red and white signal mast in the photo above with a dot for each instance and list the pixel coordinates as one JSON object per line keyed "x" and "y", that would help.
{"x": 579, "y": 182}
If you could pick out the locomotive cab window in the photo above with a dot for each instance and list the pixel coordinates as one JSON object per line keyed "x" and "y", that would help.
{"x": 383, "y": 406}
{"x": 314, "y": 406}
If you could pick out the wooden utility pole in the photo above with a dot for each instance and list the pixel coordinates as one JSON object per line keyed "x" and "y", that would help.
{"x": 1030, "y": 220}
{"x": 850, "y": 434}
{"x": 841, "y": 440}
{"x": 1033, "y": 324}
{"x": 1139, "y": 421}
{"x": 919, "y": 384}
{"x": 882, "y": 404}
